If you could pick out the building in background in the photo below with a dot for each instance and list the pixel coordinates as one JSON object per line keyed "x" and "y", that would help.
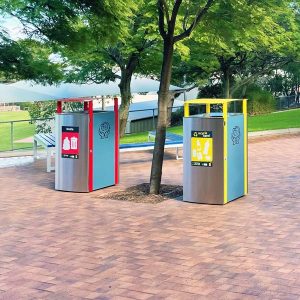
{"x": 143, "y": 115}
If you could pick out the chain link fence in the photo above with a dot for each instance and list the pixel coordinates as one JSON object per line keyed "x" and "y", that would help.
{"x": 18, "y": 135}
{"x": 287, "y": 102}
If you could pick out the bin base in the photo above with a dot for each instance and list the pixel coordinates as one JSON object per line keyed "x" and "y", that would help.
{"x": 220, "y": 202}
{"x": 85, "y": 191}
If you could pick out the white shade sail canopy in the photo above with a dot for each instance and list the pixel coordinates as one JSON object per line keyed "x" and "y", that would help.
{"x": 23, "y": 91}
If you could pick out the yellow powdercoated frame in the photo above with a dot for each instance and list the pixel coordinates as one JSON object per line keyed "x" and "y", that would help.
{"x": 224, "y": 103}
{"x": 245, "y": 146}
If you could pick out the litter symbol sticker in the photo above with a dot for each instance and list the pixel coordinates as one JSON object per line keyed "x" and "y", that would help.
{"x": 104, "y": 130}
{"x": 70, "y": 142}
{"x": 236, "y": 135}
{"x": 202, "y": 148}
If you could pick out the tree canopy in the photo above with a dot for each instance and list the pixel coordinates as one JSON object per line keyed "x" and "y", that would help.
{"x": 26, "y": 59}
{"x": 225, "y": 46}
{"x": 99, "y": 41}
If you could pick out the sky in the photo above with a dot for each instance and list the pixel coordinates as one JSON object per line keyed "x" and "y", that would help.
{"x": 12, "y": 26}
{"x": 15, "y": 30}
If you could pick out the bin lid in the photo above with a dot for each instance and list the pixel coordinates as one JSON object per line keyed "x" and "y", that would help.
{"x": 212, "y": 101}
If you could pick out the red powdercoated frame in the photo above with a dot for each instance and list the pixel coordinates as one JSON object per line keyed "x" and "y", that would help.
{"x": 88, "y": 106}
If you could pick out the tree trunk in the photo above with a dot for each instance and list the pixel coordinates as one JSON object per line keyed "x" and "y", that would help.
{"x": 226, "y": 82}
{"x": 164, "y": 98}
{"x": 125, "y": 89}
{"x": 297, "y": 90}
{"x": 225, "y": 69}
{"x": 244, "y": 90}
{"x": 103, "y": 102}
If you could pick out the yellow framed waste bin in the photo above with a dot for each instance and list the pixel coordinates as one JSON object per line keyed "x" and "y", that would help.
{"x": 215, "y": 151}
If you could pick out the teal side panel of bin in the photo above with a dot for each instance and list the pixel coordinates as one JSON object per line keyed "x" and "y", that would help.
{"x": 235, "y": 156}
{"x": 104, "y": 150}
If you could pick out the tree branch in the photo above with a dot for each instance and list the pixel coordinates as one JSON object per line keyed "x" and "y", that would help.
{"x": 114, "y": 54}
{"x": 252, "y": 77}
{"x": 117, "y": 76}
{"x": 175, "y": 13}
{"x": 161, "y": 19}
{"x": 201, "y": 12}
{"x": 185, "y": 19}
{"x": 166, "y": 9}
{"x": 134, "y": 58}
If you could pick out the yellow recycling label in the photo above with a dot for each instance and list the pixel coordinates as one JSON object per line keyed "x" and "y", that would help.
{"x": 202, "y": 148}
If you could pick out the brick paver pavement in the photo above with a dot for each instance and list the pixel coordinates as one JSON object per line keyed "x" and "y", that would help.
{"x": 56, "y": 245}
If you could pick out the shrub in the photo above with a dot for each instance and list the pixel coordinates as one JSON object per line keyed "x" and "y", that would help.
{"x": 42, "y": 110}
{"x": 23, "y": 105}
{"x": 259, "y": 101}
{"x": 46, "y": 110}
{"x": 177, "y": 116}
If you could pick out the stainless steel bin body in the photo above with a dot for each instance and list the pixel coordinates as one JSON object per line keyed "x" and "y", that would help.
{"x": 203, "y": 184}
{"x": 72, "y": 172}
{"x": 87, "y": 147}
{"x": 215, "y": 151}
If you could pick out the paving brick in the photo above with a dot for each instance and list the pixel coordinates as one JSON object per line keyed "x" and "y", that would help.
{"x": 57, "y": 245}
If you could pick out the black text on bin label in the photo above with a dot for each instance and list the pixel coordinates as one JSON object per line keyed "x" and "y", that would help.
{"x": 202, "y": 134}
{"x": 201, "y": 164}
{"x": 70, "y": 129}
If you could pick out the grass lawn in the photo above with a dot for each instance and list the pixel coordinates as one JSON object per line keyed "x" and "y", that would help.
{"x": 135, "y": 138}
{"x": 278, "y": 120}
{"x": 21, "y": 130}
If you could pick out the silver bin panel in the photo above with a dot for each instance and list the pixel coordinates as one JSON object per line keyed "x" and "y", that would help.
{"x": 72, "y": 174}
{"x": 204, "y": 184}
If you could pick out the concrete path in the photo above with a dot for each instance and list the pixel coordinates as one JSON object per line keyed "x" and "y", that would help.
{"x": 26, "y": 140}
{"x": 56, "y": 245}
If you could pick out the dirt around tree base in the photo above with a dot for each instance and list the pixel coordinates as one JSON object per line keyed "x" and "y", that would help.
{"x": 140, "y": 194}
